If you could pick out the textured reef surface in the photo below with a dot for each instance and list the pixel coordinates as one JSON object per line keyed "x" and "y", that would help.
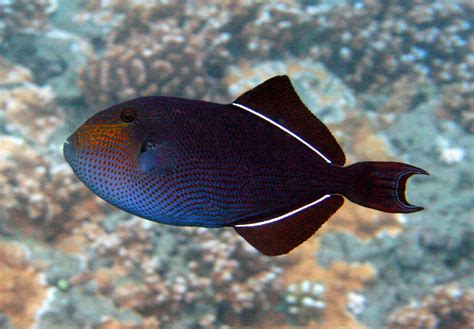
{"x": 392, "y": 79}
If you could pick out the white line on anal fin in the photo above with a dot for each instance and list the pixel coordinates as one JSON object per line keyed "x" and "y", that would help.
{"x": 285, "y": 215}
{"x": 284, "y": 129}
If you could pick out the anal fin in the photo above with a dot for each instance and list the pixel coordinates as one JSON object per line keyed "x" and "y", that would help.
{"x": 280, "y": 235}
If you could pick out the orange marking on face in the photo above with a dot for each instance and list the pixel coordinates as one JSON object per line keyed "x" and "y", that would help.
{"x": 96, "y": 135}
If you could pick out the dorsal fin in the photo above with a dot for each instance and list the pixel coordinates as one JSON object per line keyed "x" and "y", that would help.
{"x": 277, "y": 100}
{"x": 280, "y": 235}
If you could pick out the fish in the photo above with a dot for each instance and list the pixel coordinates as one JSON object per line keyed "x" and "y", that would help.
{"x": 263, "y": 165}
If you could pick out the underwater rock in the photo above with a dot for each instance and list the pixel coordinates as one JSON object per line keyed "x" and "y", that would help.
{"x": 5, "y": 322}
{"x": 449, "y": 193}
{"x": 55, "y": 57}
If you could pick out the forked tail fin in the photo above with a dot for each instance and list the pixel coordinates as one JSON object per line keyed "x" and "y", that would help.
{"x": 380, "y": 185}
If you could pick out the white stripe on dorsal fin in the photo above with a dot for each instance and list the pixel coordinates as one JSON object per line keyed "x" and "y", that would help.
{"x": 278, "y": 103}
{"x": 269, "y": 221}
{"x": 284, "y": 129}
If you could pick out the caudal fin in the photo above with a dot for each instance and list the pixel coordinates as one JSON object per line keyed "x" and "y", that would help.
{"x": 380, "y": 185}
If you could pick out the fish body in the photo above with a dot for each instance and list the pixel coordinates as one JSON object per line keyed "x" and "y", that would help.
{"x": 262, "y": 164}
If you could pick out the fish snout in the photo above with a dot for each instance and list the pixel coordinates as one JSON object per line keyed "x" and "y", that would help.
{"x": 68, "y": 148}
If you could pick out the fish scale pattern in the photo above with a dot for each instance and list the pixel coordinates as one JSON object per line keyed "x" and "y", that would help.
{"x": 232, "y": 173}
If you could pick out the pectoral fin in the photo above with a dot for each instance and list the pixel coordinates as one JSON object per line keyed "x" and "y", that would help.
{"x": 158, "y": 158}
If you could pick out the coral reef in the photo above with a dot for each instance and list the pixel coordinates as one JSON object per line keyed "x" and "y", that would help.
{"x": 321, "y": 91}
{"x": 342, "y": 281}
{"x": 141, "y": 66}
{"x": 12, "y": 74}
{"x": 41, "y": 198}
{"x": 135, "y": 64}
{"x": 21, "y": 288}
{"x": 369, "y": 44}
{"x": 458, "y": 103}
{"x": 39, "y": 191}
{"x": 304, "y": 300}
{"x": 24, "y": 15}
{"x": 433, "y": 246}
{"x": 409, "y": 66}
{"x": 30, "y": 111}
{"x": 364, "y": 223}
{"x": 448, "y": 307}
{"x": 214, "y": 275}
{"x": 380, "y": 41}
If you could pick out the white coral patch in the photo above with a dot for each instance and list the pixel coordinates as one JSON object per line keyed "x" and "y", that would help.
{"x": 452, "y": 155}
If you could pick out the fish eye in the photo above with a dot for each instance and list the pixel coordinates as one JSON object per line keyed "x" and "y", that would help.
{"x": 127, "y": 115}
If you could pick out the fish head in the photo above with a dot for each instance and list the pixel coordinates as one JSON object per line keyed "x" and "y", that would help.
{"x": 103, "y": 152}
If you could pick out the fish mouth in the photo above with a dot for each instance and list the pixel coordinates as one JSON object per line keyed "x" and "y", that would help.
{"x": 68, "y": 149}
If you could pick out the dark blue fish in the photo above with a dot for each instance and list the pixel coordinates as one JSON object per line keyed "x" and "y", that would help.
{"x": 264, "y": 165}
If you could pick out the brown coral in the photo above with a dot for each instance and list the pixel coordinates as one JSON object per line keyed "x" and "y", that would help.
{"x": 458, "y": 104}
{"x": 340, "y": 280}
{"x": 24, "y": 15}
{"x": 39, "y": 191}
{"x": 369, "y": 44}
{"x": 41, "y": 194}
{"x": 448, "y": 307}
{"x": 143, "y": 66}
{"x": 219, "y": 272}
{"x": 11, "y": 74}
{"x": 151, "y": 53}
{"x": 29, "y": 110}
{"x": 364, "y": 223}
{"x": 22, "y": 293}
